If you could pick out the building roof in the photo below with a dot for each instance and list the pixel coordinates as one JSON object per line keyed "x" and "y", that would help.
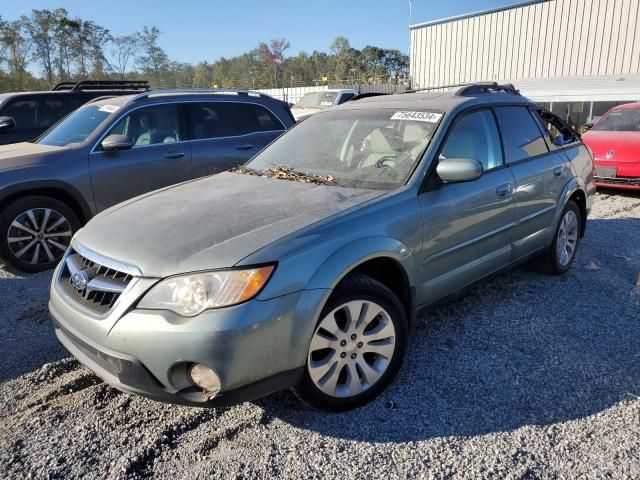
{"x": 610, "y": 88}
{"x": 475, "y": 14}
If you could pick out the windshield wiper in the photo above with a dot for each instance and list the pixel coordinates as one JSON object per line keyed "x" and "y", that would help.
{"x": 287, "y": 173}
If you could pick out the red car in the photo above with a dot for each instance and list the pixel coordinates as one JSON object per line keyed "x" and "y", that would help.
{"x": 615, "y": 143}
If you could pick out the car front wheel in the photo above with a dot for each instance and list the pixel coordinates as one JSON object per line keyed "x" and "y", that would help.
{"x": 357, "y": 346}
{"x": 35, "y": 231}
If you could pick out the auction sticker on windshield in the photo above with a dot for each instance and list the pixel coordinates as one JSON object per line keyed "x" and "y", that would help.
{"x": 109, "y": 108}
{"x": 430, "y": 117}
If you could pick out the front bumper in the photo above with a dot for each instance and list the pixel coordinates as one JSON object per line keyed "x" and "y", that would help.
{"x": 613, "y": 174}
{"x": 627, "y": 183}
{"x": 255, "y": 348}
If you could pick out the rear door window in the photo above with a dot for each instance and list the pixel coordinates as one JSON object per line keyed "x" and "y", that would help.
{"x": 252, "y": 118}
{"x": 229, "y": 119}
{"x": 521, "y": 134}
{"x": 51, "y": 109}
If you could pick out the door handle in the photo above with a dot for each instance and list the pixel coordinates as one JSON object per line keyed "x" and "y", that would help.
{"x": 504, "y": 190}
{"x": 246, "y": 146}
{"x": 557, "y": 171}
{"x": 174, "y": 155}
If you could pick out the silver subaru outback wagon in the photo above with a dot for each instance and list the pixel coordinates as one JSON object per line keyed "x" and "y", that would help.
{"x": 307, "y": 267}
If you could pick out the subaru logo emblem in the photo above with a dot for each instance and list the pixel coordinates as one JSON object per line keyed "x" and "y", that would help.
{"x": 80, "y": 280}
{"x": 610, "y": 153}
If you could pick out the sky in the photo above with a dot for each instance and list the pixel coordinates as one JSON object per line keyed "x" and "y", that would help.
{"x": 196, "y": 30}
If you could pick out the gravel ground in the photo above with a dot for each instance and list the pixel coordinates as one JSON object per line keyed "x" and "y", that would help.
{"x": 528, "y": 376}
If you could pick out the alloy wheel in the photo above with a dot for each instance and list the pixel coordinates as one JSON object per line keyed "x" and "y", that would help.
{"x": 567, "y": 238}
{"x": 351, "y": 348}
{"x": 39, "y": 236}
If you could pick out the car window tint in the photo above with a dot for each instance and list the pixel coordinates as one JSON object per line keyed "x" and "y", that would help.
{"x": 556, "y": 132}
{"x": 521, "y": 134}
{"x": 152, "y": 125}
{"x": 475, "y": 136}
{"x": 228, "y": 119}
{"x": 255, "y": 118}
{"x": 345, "y": 97}
{"x": 51, "y": 110}
{"x": 23, "y": 112}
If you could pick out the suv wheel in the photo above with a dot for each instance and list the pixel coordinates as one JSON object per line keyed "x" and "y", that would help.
{"x": 35, "y": 232}
{"x": 357, "y": 347}
{"x": 562, "y": 253}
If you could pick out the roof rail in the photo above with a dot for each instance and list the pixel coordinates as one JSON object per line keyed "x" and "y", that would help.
{"x": 197, "y": 91}
{"x": 440, "y": 87}
{"x": 84, "y": 85}
{"x": 470, "y": 89}
{"x": 487, "y": 87}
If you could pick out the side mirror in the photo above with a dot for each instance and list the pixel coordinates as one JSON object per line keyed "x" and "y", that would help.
{"x": 454, "y": 170}
{"x": 6, "y": 123}
{"x": 116, "y": 142}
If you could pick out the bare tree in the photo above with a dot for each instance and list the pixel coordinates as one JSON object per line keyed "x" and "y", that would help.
{"x": 153, "y": 59}
{"x": 16, "y": 43}
{"x": 124, "y": 49}
{"x": 96, "y": 38}
{"x": 41, "y": 30}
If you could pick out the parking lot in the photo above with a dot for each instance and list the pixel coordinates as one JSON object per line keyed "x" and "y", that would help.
{"x": 527, "y": 376}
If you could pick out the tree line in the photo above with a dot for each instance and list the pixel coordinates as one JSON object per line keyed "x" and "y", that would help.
{"x": 63, "y": 48}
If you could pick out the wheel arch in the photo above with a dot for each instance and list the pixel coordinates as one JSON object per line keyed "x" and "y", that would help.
{"x": 383, "y": 258}
{"x": 573, "y": 191}
{"x": 61, "y": 191}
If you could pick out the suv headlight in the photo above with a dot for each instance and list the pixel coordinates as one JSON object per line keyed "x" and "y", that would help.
{"x": 189, "y": 295}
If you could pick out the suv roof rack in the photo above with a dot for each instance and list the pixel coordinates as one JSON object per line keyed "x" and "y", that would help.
{"x": 487, "y": 87}
{"x": 102, "y": 85}
{"x": 197, "y": 91}
{"x": 471, "y": 89}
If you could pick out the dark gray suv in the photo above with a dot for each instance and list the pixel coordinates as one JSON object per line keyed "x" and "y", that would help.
{"x": 113, "y": 149}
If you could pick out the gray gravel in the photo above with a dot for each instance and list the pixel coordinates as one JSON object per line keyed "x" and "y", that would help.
{"x": 527, "y": 376}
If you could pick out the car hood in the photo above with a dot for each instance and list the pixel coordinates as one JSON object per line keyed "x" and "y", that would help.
{"x": 211, "y": 223}
{"x": 18, "y": 155}
{"x": 625, "y": 146}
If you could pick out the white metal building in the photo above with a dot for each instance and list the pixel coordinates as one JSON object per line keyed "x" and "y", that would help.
{"x": 580, "y": 57}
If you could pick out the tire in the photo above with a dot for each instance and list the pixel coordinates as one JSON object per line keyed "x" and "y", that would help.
{"x": 29, "y": 247}
{"x": 568, "y": 234}
{"x": 337, "y": 389}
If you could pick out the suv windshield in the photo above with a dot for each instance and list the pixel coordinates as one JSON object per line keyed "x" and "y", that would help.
{"x": 372, "y": 149}
{"x": 77, "y": 126}
{"x": 624, "y": 120}
{"x": 316, "y": 100}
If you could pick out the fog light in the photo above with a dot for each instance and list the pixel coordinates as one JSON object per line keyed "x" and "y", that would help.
{"x": 205, "y": 378}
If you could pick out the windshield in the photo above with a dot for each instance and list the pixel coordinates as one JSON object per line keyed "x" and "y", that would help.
{"x": 77, "y": 126}
{"x": 624, "y": 120}
{"x": 370, "y": 149}
{"x": 316, "y": 100}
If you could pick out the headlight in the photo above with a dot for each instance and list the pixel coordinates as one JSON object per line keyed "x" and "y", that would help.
{"x": 189, "y": 295}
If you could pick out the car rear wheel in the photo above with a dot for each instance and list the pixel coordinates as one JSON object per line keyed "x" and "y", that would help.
{"x": 356, "y": 348}
{"x": 35, "y": 232}
{"x": 562, "y": 253}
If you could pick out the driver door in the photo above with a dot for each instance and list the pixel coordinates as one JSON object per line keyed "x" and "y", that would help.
{"x": 467, "y": 226}
{"x": 160, "y": 156}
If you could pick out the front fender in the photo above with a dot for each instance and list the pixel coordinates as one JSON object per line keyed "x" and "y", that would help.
{"x": 348, "y": 257}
